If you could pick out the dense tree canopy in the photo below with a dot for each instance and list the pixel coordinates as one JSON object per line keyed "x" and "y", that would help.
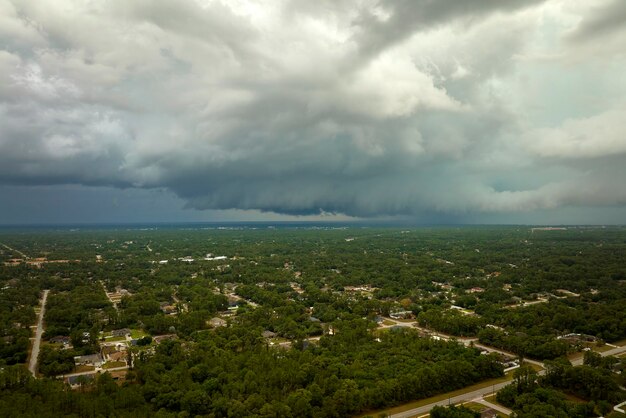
{"x": 291, "y": 321}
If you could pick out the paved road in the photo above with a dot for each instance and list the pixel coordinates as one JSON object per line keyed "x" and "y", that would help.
{"x": 465, "y": 397}
{"x": 34, "y": 355}
{"x": 498, "y": 408}
{"x": 451, "y": 401}
{"x": 478, "y": 394}
{"x": 287, "y": 344}
{"x": 464, "y": 340}
{"x": 525, "y": 304}
{"x": 467, "y": 341}
{"x": 109, "y": 296}
{"x": 612, "y": 352}
{"x": 15, "y": 251}
{"x": 474, "y": 395}
{"x": 495, "y": 350}
{"x": 184, "y": 307}
{"x": 112, "y": 369}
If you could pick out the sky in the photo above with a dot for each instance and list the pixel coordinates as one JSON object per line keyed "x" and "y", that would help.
{"x": 477, "y": 111}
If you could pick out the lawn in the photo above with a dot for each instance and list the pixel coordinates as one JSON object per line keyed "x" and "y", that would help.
{"x": 478, "y": 407}
{"x": 492, "y": 399}
{"x": 113, "y": 364}
{"x": 114, "y": 339}
{"x": 137, "y": 333}
{"x": 474, "y": 406}
{"x": 595, "y": 347}
{"x": 620, "y": 343}
{"x": 602, "y": 348}
{"x": 573, "y": 398}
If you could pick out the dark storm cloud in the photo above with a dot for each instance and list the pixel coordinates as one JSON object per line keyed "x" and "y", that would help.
{"x": 362, "y": 108}
{"x": 604, "y": 19}
{"x": 393, "y": 21}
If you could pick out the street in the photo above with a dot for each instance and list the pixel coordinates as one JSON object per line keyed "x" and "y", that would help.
{"x": 479, "y": 393}
{"x": 34, "y": 355}
{"x": 612, "y": 352}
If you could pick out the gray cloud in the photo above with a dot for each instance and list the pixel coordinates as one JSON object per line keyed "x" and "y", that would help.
{"x": 390, "y": 21}
{"x": 604, "y": 19}
{"x": 374, "y": 109}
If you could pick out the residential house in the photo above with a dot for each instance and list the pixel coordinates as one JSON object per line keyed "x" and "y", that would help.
{"x": 76, "y": 381}
{"x": 95, "y": 360}
{"x": 123, "y": 332}
{"x": 217, "y": 322}
{"x": 160, "y": 338}
{"x": 488, "y": 413}
{"x": 401, "y": 314}
{"x": 118, "y": 356}
{"x": 268, "y": 334}
{"x": 60, "y": 339}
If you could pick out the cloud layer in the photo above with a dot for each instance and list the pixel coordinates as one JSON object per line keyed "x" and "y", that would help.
{"x": 367, "y": 108}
